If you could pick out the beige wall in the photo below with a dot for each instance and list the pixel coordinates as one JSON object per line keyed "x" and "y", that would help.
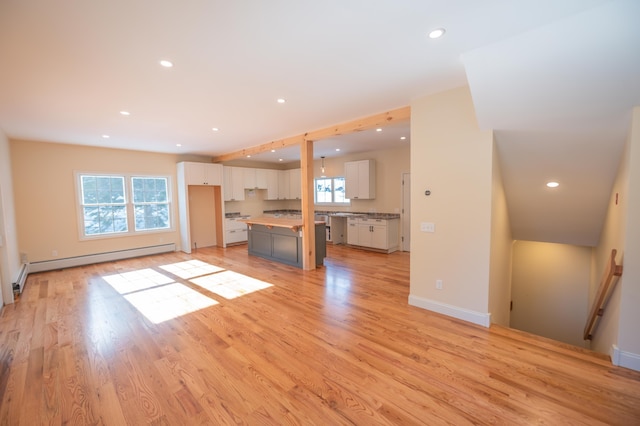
{"x": 9, "y": 255}
{"x": 46, "y": 202}
{"x": 451, "y": 157}
{"x": 501, "y": 243}
{"x": 550, "y": 287}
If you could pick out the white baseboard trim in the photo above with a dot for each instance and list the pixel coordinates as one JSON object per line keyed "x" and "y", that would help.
{"x": 624, "y": 359}
{"x": 70, "y": 262}
{"x": 453, "y": 311}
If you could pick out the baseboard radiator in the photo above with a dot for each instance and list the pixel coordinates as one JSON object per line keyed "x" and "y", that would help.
{"x": 70, "y": 262}
{"x": 22, "y": 278}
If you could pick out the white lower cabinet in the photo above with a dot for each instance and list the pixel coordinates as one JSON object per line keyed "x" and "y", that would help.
{"x": 380, "y": 234}
{"x": 235, "y": 231}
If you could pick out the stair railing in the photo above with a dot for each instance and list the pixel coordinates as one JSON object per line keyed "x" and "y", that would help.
{"x": 604, "y": 293}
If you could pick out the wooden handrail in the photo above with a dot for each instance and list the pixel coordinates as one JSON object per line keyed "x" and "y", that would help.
{"x": 604, "y": 292}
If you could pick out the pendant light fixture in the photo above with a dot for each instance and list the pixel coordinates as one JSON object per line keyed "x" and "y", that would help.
{"x": 322, "y": 169}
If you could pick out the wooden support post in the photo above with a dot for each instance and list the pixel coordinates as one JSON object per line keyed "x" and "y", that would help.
{"x": 308, "y": 213}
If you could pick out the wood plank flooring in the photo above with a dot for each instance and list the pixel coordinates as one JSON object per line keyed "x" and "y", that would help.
{"x": 218, "y": 337}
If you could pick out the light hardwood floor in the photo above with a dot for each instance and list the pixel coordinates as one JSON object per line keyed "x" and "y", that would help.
{"x": 219, "y": 337}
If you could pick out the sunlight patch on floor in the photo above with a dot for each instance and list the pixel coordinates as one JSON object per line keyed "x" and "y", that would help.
{"x": 140, "y": 279}
{"x": 229, "y": 284}
{"x": 157, "y": 296}
{"x": 191, "y": 269}
{"x": 168, "y": 302}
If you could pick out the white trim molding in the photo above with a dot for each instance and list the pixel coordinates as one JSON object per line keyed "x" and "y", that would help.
{"x": 468, "y": 315}
{"x": 70, "y": 262}
{"x": 625, "y": 359}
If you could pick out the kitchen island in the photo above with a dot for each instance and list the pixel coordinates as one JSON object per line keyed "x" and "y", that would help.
{"x": 280, "y": 239}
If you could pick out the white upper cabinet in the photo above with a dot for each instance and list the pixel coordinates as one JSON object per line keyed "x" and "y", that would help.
{"x": 233, "y": 183}
{"x": 255, "y": 178}
{"x": 262, "y": 181}
{"x": 284, "y": 184}
{"x": 272, "y": 184}
{"x": 295, "y": 184}
{"x": 360, "y": 179}
{"x": 203, "y": 173}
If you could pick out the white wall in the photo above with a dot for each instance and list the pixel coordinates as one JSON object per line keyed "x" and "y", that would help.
{"x": 550, "y": 288}
{"x": 617, "y": 330}
{"x": 9, "y": 255}
{"x": 451, "y": 157}
{"x": 629, "y": 337}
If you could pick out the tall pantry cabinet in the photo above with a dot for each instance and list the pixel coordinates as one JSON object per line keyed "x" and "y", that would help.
{"x": 191, "y": 174}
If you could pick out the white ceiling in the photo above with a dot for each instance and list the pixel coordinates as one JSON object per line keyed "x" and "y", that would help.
{"x": 555, "y": 79}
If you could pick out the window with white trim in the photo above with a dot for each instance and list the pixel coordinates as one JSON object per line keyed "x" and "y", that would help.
{"x": 150, "y": 203}
{"x": 330, "y": 191}
{"x": 112, "y": 205}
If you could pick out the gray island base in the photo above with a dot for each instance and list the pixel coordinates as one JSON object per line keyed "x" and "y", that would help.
{"x": 282, "y": 242}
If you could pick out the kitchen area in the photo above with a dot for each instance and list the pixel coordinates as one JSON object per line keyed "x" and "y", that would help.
{"x": 243, "y": 196}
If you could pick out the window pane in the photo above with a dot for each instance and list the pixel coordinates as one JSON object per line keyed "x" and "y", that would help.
{"x": 152, "y": 216}
{"x": 91, "y": 220}
{"x": 323, "y": 190}
{"x": 339, "y": 192}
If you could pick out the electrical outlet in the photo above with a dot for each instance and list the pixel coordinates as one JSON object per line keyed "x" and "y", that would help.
{"x": 427, "y": 227}
{"x": 439, "y": 284}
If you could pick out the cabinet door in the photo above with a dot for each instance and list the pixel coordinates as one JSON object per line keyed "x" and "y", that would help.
{"x": 237, "y": 183}
{"x": 284, "y": 184}
{"x": 249, "y": 178}
{"x": 233, "y": 184}
{"x": 194, "y": 173}
{"x": 363, "y": 180}
{"x": 212, "y": 174}
{"x": 261, "y": 179}
{"x": 272, "y": 184}
{"x": 352, "y": 233}
{"x": 295, "y": 184}
{"x": 379, "y": 238}
{"x": 364, "y": 234}
{"x": 351, "y": 179}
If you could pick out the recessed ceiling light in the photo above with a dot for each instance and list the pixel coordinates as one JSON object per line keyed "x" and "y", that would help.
{"x": 337, "y": 149}
{"x": 273, "y": 150}
{"x": 279, "y": 159}
{"x": 403, "y": 138}
{"x": 553, "y": 184}
{"x": 215, "y": 129}
{"x": 378, "y": 130}
{"x": 248, "y": 156}
{"x": 105, "y": 136}
{"x": 437, "y": 33}
{"x": 125, "y": 113}
{"x": 178, "y": 144}
{"x": 281, "y": 101}
{"x": 166, "y": 64}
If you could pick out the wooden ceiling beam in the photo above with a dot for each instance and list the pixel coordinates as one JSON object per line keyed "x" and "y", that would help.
{"x": 378, "y": 120}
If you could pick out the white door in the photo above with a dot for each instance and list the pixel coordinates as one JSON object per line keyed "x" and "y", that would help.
{"x": 406, "y": 211}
